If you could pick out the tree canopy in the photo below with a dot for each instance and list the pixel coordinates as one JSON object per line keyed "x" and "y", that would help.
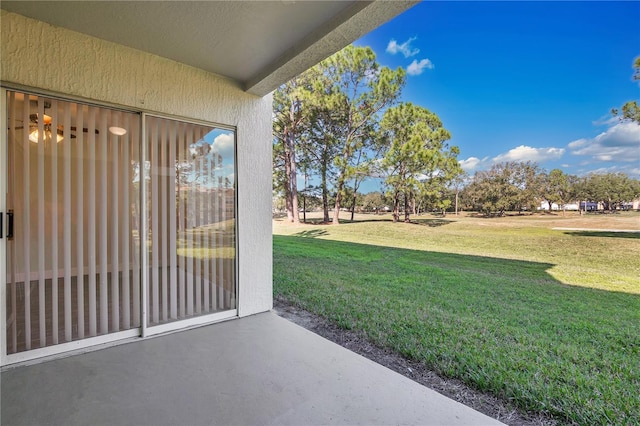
{"x": 360, "y": 89}
{"x": 417, "y": 159}
{"x": 327, "y": 126}
{"x": 326, "y": 123}
{"x": 630, "y": 110}
{"x": 523, "y": 186}
{"x": 514, "y": 186}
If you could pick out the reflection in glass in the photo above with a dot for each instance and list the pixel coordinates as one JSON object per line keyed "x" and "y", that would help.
{"x": 190, "y": 218}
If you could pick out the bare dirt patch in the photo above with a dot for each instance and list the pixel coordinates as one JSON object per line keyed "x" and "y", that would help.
{"x": 414, "y": 370}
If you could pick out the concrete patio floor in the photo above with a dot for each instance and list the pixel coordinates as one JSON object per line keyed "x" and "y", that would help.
{"x": 259, "y": 370}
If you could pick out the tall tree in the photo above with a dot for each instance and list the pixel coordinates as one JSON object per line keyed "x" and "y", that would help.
{"x": 360, "y": 89}
{"x": 558, "y": 188}
{"x": 491, "y": 190}
{"x": 418, "y": 157}
{"x": 529, "y": 179}
{"x": 319, "y": 145}
{"x": 289, "y": 120}
{"x": 457, "y": 184}
{"x": 435, "y": 187}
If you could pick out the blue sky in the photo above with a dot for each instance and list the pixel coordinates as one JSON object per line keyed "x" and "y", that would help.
{"x": 522, "y": 80}
{"x": 223, "y": 142}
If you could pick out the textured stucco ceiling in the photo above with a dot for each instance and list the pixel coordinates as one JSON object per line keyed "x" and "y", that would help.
{"x": 259, "y": 44}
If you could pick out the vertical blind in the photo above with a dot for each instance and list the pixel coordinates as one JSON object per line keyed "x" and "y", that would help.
{"x": 73, "y": 267}
{"x": 191, "y": 228}
{"x": 75, "y": 182}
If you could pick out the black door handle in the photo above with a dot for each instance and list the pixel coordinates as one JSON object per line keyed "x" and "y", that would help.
{"x": 10, "y": 225}
{"x": 1, "y": 226}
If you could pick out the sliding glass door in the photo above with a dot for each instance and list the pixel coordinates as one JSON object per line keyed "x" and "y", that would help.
{"x": 72, "y": 261}
{"x": 190, "y": 203}
{"x": 114, "y": 224}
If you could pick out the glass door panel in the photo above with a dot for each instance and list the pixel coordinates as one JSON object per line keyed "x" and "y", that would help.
{"x": 73, "y": 267}
{"x": 190, "y": 201}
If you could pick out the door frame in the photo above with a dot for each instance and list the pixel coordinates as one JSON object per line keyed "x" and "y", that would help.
{"x": 136, "y": 333}
{"x": 4, "y": 135}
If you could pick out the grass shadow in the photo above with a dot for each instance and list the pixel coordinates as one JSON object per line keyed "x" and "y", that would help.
{"x": 498, "y": 215}
{"x": 360, "y": 220}
{"x": 313, "y": 221}
{"x": 510, "y": 270}
{"x": 312, "y": 233}
{"x": 432, "y": 223}
{"x": 497, "y": 324}
{"x": 635, "y": 235}
{"x": 428, "y": 222}
{"x": 368, "y": 258}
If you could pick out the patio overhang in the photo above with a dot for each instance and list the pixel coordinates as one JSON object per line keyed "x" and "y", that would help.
{"x": 258, "y": 44}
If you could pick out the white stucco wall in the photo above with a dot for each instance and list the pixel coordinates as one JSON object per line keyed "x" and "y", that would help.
{"x": 39, "y": 56}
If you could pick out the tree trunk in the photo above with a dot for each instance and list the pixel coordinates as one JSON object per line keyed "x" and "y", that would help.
{"x": 294, "y": 189}
{"x": 457, "y": 191}
{"x": 288, "y": 203}
{"x": 336, "y": 207}
{"x": 325, "y": 195}
{"x": 356, "y": 185}
{"x": 406, "y": 208}
{"x": 325, "y": 207}
{"x": 396, "y": 207}
{"x": 323, "y": 185}
{"x": 291, "y": 185}
{"x": 290, "y": 157}
{"x": 341, "y": 181}
{"x": 339, "y": 188}
{"x": 353, "y": 206}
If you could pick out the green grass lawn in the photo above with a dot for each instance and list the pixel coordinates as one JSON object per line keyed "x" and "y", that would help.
{"x": 546, "y": 319}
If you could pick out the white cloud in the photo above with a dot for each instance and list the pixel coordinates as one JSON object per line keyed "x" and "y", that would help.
{"x": 577, "y": 143}
{"x": 520, "y": 153}
{"x": 199, "y": 148}
{"x": 627, "y": 169}
{"x": 473, "y": 163}
{"x": 405, "y": 48}
{"x": 602, "y": 170}
{"x": 620, "y": 143}
{"x": 527, "y": 153}
{"x": 223, "y": 145}
{"x": 416, "y": 68}
{"x": 606, "y": 120}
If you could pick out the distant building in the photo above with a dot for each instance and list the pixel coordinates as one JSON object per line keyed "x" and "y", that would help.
{"x": 591, "y": 206}
{"x": 544, "y": 205}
